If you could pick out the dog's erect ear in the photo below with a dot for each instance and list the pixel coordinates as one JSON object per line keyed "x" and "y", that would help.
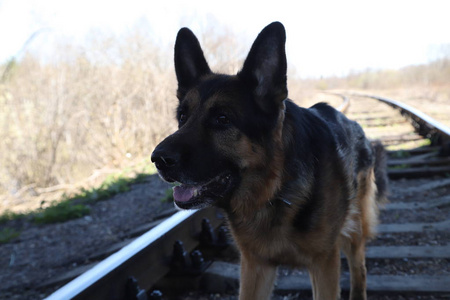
{"x": 265, "y": 67}
{"x": 190, "y": 63}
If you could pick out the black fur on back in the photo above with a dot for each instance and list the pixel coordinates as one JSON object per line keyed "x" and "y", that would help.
{"x": 323, "y": 144}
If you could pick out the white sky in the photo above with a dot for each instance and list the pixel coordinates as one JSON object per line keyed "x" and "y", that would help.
{"x": 323, "y": 37}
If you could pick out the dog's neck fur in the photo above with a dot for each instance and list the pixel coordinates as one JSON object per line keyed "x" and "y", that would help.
{"x": 265, "y": 181}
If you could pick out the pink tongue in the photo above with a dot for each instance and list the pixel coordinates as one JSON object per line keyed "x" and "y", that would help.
{"x": 183, "y": 193}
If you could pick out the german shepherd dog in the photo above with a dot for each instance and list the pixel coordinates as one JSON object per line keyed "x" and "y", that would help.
{"x": 297, "y": 185}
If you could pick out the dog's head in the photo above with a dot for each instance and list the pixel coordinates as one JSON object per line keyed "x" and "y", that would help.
{"x": 227, "y": 124}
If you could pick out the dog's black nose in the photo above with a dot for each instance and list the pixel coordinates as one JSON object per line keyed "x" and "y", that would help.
{"x": 164, "y": 159}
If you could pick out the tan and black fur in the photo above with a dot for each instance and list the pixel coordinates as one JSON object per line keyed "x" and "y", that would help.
{"x": 298, "y": 185}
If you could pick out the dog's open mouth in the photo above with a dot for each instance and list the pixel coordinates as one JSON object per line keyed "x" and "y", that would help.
{"x": 201, "y": 195}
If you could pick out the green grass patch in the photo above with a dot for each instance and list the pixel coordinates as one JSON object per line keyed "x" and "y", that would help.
{"x": 111, "y": 186}
{"x": 168, "y": 197}
{"x": 75, "y": 206}
{"x": 424, "y": 143}
{"x": 9, "y": 216}
{"x": 117, "y": 183}
{"x": 8, "y": 234}
{"x": 399, "y": 167}
{"x": 60, "y": 212}
{"x": 400, "y": 154}
{"x": 409, "y": 145}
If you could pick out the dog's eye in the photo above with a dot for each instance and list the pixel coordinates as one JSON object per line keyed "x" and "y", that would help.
{"x": 182, "y": 118}
{"x": 223, "y": 120}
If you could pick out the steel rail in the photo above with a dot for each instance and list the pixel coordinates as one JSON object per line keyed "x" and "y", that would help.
{"x": 345, "y": 103}
{"x": 424, "y": 124}
{"x": 147, "y": 259}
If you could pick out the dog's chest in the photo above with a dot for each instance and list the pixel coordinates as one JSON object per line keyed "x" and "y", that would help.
{"x": 276, "y": 245}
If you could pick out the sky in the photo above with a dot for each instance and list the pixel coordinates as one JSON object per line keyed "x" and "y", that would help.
{"x": 324, "y": 38}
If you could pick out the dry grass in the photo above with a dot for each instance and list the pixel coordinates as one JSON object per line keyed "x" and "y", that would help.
{"x": 90, "y": 112}
{"x": 96, "y": 110}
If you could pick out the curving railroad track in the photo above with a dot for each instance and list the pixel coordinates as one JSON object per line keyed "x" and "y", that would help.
{"x": 187, "y": 255}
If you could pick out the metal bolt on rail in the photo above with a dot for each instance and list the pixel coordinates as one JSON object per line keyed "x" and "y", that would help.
{"x": 179, "y": 258}
{"x": 207, "y": 236}
{"x": 133, "y": 291}
{"x": 197, "y": 260}
{"x": 222, "y": 237}
{"x": 156, "y": 295}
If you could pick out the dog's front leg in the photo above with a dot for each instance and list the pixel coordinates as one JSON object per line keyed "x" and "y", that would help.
{"x": 324, "y": 274}
{"x": 257, "y": 279}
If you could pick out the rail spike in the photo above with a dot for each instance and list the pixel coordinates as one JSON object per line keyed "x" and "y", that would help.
{"x": 133, "y": 291}
{"x": 179, "y": 257}
{"x": 197, "y": 260}
{"x": 156, "y": 295}
{"x": 207, "y": 236}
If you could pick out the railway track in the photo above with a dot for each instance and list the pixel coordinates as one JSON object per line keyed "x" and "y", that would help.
{"x": 186, "y": 255}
